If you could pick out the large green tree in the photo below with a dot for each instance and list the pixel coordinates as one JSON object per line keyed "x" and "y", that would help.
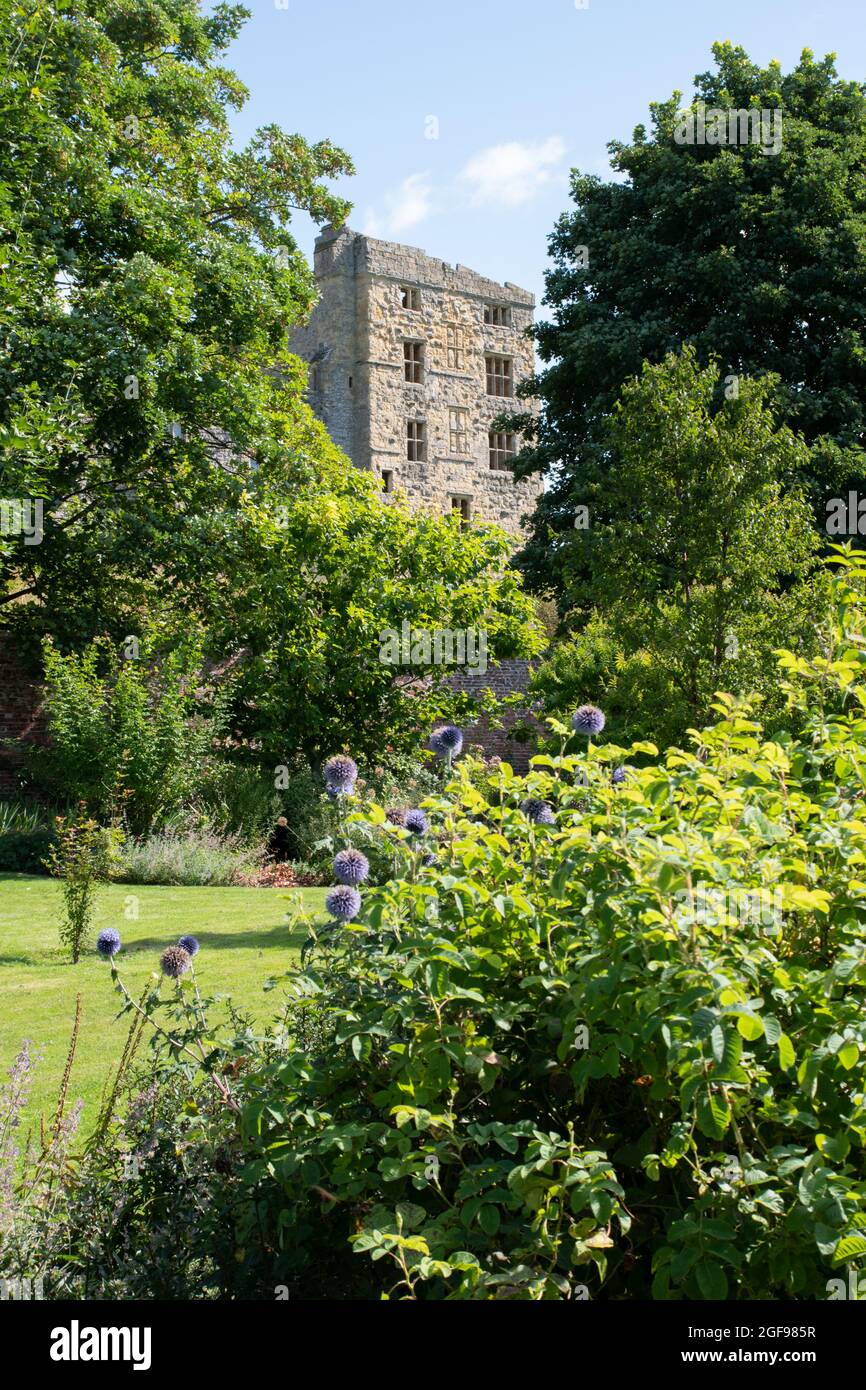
{"x": 150, "y": 277}
{"x": 334, "y": 598}
{"x": 757, "y": 258}
{"x": 708, "y": 567}
{"x": 148, "y": 399}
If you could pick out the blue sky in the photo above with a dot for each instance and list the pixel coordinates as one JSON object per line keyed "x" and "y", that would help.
{"x": 515, "y": 93}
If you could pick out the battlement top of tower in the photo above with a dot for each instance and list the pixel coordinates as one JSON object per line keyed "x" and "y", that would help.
{"x": 340, "y": 250}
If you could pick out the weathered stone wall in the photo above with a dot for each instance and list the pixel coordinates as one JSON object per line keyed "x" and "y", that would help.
{"x": 22, "y": 718}
{"x": 328, "y": 342}
{"x": 354, "y": 344}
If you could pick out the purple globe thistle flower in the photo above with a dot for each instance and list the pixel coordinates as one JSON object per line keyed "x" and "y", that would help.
{"x": 351, "y": 866}
{"x": 447, "y": 741}
{"x": 108, "y": 943}
{"x": 618, "y": 775}
{"x": 190, "y": 945}
{"x": 395, "y": 816}
{"x": 175, "y": 961}
{"x": 539, "y": 812}
{"x": 428, "y": 861}
{"x": 340, "y": 775}
{"x": 417, "y": 822}
{"x": 343, "y": 902}
{"x": 588, "y": 720}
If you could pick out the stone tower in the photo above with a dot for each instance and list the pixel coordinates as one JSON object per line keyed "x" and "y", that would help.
{"x": 411, "y": 359}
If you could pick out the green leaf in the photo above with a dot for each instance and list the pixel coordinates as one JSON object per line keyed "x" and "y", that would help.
{"x": 488, "y": 1219}
{"x": 751, "y": 1026}
{"x": 848, "y": 1054}
{"x": 712, "y": 1280}
{"x": 850, "y": 1247}
{"x": 713, "y": 1114}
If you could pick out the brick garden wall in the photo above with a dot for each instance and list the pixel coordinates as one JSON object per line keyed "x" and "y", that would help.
{"x": 22, "y": 718}
{"x": 507, "y": 678}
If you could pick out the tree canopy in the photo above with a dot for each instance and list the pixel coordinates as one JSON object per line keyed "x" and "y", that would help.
{"x": 708, "y": 565}
{"x": 150, "y": 277}
{"x": 756, "y": 258}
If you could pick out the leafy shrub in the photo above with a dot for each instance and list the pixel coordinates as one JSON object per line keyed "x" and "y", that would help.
{"x": 617, "y": 1055}
{"x": 25, "y": 838}
{"x": 127, "y": 737}
{"x": 623, "y": 1055}
{"x": 398, "y": 781}
{"x": 82, "y": 858}
{"x": 139, "y": 1211}
{"x": 25, "y": 851}
{"x": 188, "y": 859}
{"x": 239, "y": 800}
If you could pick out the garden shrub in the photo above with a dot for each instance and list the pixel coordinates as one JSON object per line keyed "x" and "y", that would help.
{"x": 239, "y": 800}
{"x": 25, "y": 851}
{"x": 139, "y": 1211}
{"x": 189, "y": 859}
{"x": 82, "y": 857}
{"x": 25, "y": 838}
{"x": 610, "y": 1043}
{"x": 128, "y": 737}
{"x": 622, "y": 1055}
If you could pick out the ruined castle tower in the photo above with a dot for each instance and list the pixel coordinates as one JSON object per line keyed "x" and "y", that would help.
{"x": 411, "y": 360}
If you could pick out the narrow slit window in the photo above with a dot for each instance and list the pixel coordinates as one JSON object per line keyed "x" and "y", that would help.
{"x": 410, "y": 298}
{"x": 387, "y": 480}
{"x": 462, "y": 507}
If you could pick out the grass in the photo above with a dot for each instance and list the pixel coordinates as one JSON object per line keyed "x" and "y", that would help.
{"x": 245, "y": 939}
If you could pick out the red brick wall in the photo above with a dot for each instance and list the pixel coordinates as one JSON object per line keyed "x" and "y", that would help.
{"x": 21, "y": 715}
{"x": 507, "y": 678}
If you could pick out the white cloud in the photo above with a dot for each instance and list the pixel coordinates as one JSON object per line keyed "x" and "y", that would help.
{"x": 512, "y": 174}
{"x": 405, "y": 207}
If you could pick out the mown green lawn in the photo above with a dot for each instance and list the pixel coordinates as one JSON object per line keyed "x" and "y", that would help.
{"x": 245, "y": 939}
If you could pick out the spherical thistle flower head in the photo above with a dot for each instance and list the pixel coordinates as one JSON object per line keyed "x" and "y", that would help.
{"x": 343, "y": 902}
{"x": 588, "y": 720}
{"x": 618, "y": 775}
{"x": 539, "y": 812}
{"x": 108, "y": 943}
{"x": 417, "y": 822}
{"x": 446, "y": 739}
{"x": 395, "y": 816}
{"x": 190, "y": 945}
{"x": 340, "y": 774}
{"x": 175, "y": 961}
{"x": 428, "y": 861}
{"x": 351, "y": 866}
